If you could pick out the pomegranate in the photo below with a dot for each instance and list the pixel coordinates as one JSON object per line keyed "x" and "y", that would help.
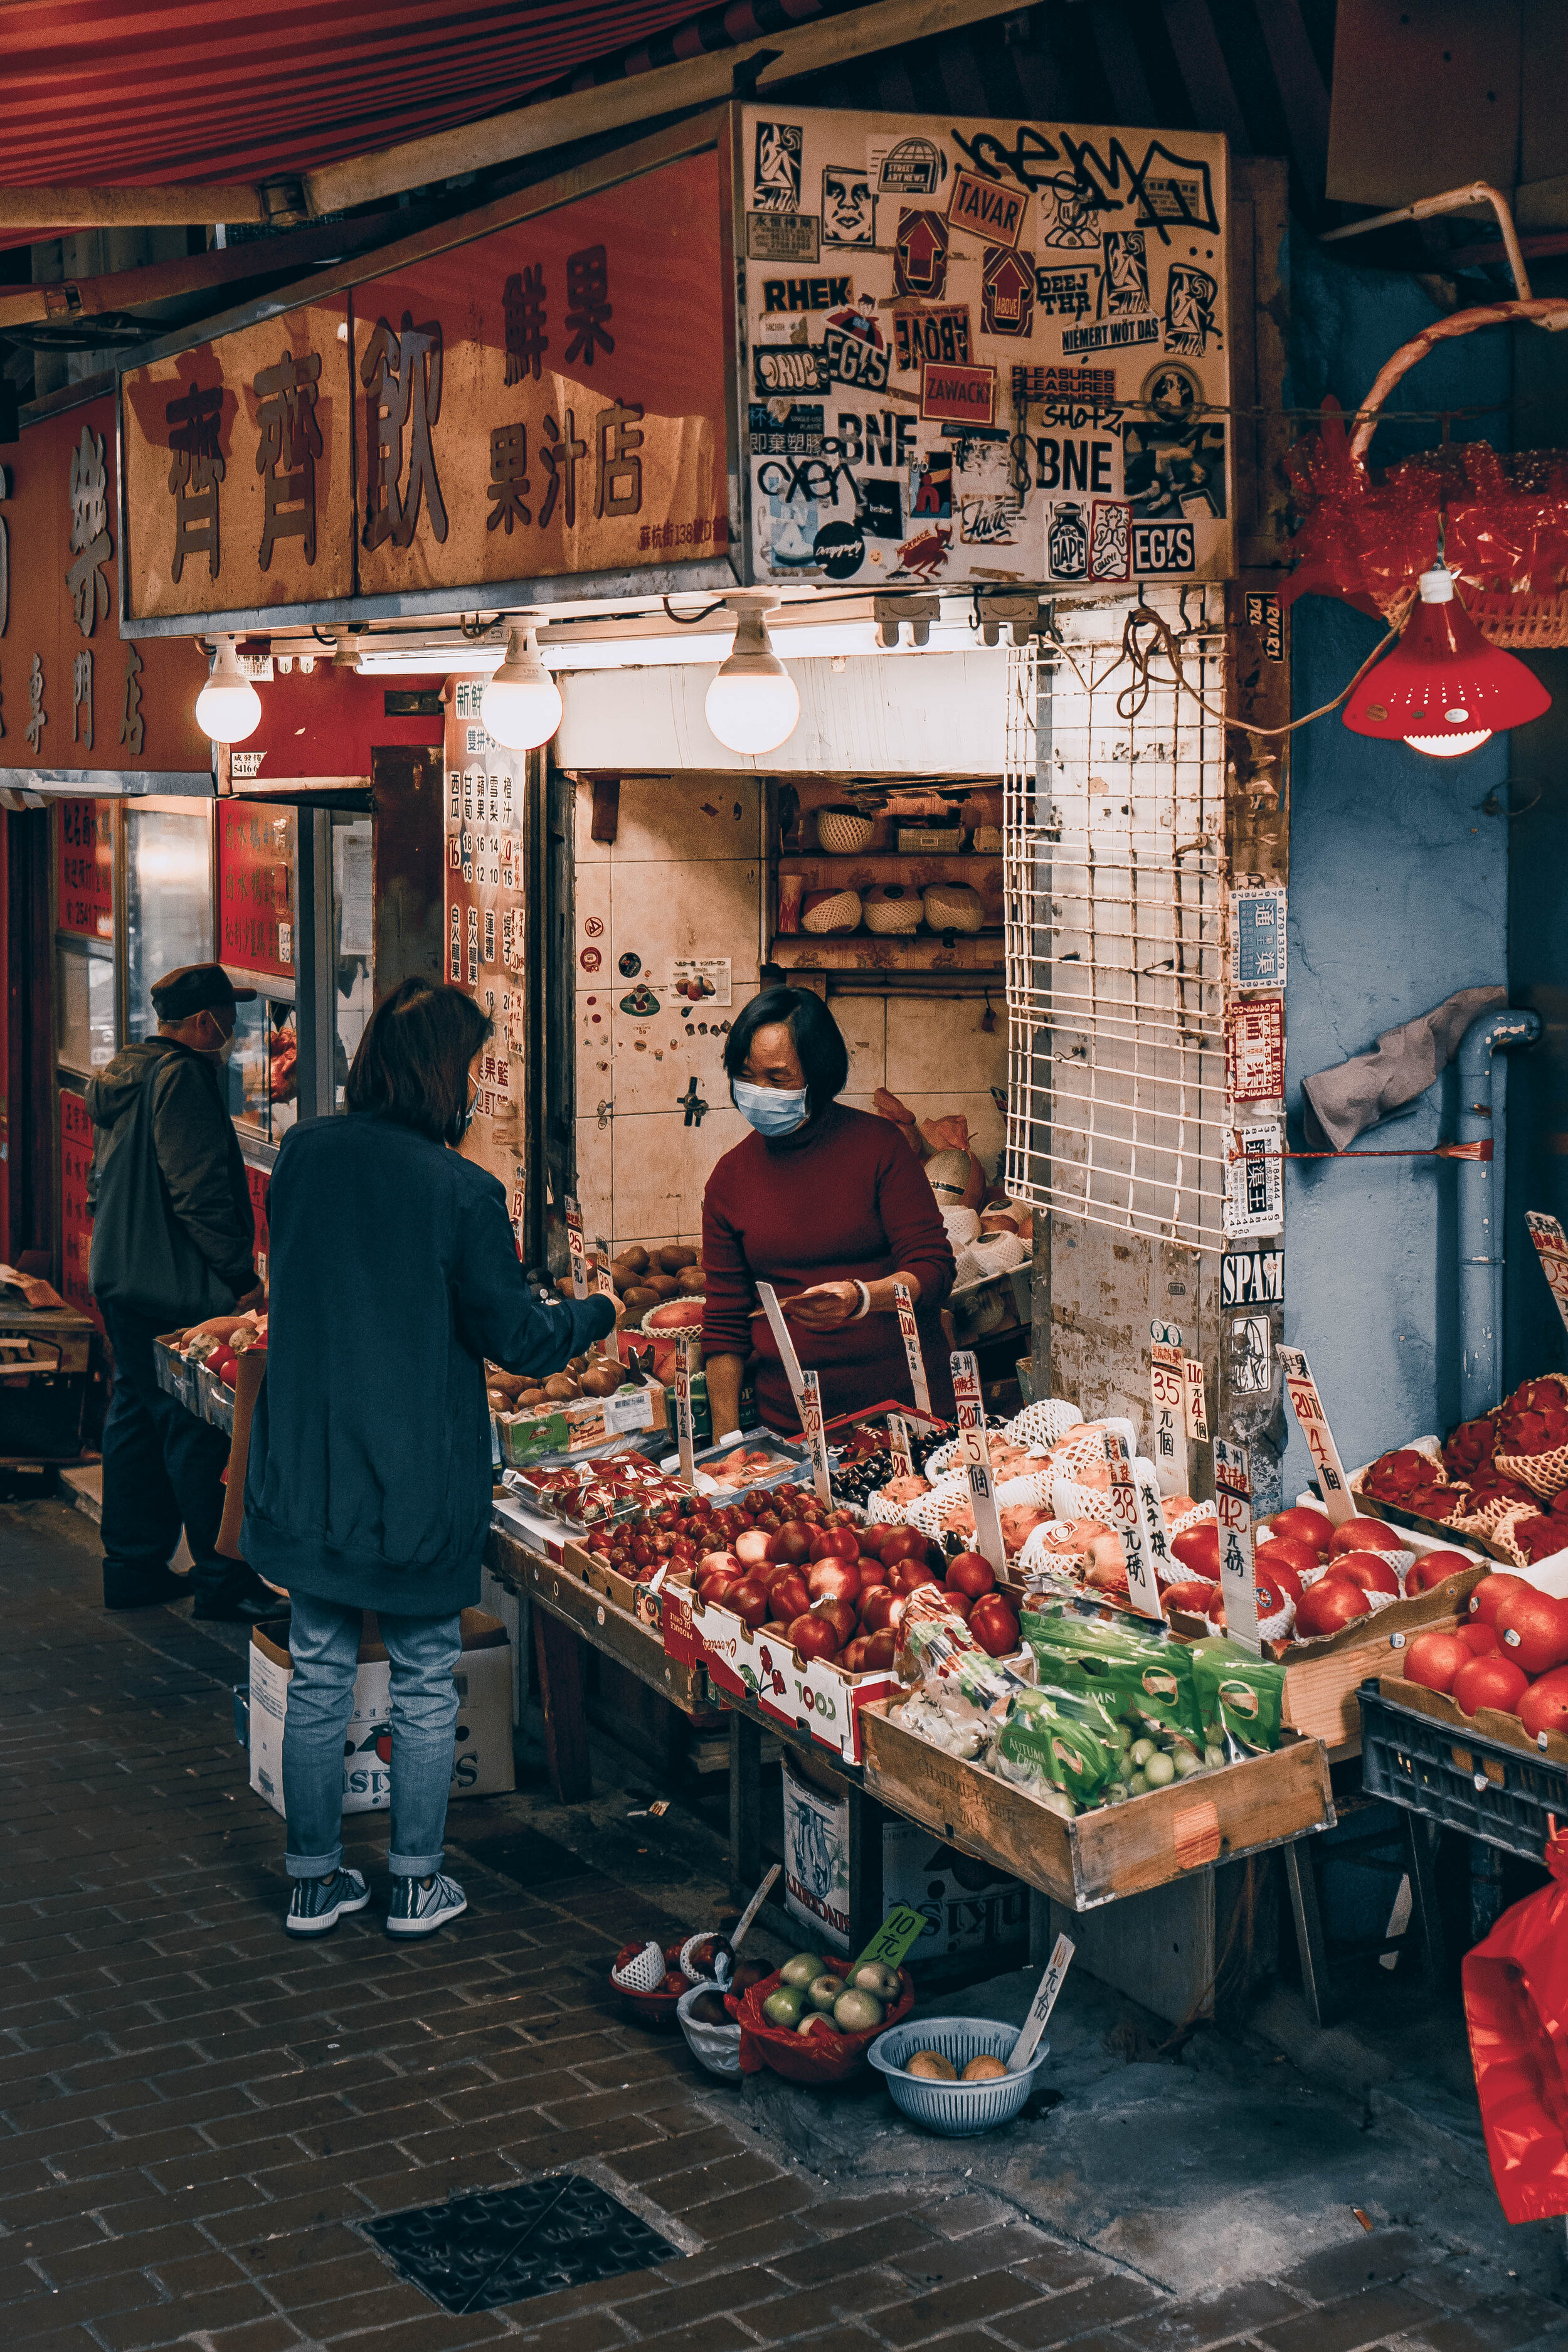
{"x": 719, "y": 1563}
{"x": 840, "y": 1614}
{"x": 749, "y": 1601}
{"x": 1434, "y": 1659}
{"x": 961, "y": 1603}
{"x": 970, "y": 1572}
{"x": 880, "y": 1649}
{"x": 1368, "y": 1569}
{"x": 812, "y": 1636}
{"x": 1479, "y": 1640}
{"x": 1492, "y": 1592}
{"x": 908, "y": 1573}
{"x": 834, "y": 1580}
{"x": 1489, "y": 1682}
{"x": 717, "y": 1589}
{"x": 994, "y": 1625}
{"x": 1305, "y": 1525}
{"x": 751, "y": 1546}
{"x": 793, "y": 1541}
{"x": 1365, "y": 1535}
{"x": 1544, "y": 1706}
{"x": 902, "y": 1543}
{"x": 877, "y": 1602}
{"x": 788, "y": 1595}
{"x": 835, "y": 1543}
{"x": 1532, "y": 1630}
{"x": 1198, "y": 1549}
{"x": 853, "y": 1658}
{"x": 1327, "y": 1605}
{"x": 1432, "y": 1567}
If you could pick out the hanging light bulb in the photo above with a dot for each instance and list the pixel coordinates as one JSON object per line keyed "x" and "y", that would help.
{"x": 752, "y": 704}
{"x": 521, "y": 706}
{"x": 228, "y": 708}
{"x": 1443, "y": 689}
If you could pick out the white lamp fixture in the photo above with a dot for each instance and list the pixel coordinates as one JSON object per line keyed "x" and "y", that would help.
{"x": 521, "y": 706}
{"x": 752, "y": 704}
{"x": 228, "y": 708}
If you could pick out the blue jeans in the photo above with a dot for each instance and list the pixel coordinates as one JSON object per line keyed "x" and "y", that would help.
{"x": 323, "y": 1642}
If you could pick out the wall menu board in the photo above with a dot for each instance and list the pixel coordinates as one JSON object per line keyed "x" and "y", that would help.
{"x": 983, "y": 351}
{"x": 84, "y": 868}
{"x": 76, "y": 1218}
{"x": 255, "y": 847}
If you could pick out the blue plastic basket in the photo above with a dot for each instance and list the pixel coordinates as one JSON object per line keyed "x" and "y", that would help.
{"x": 955, "y": 2110}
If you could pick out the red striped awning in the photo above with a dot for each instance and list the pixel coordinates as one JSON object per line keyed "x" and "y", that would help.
{"x": 104, "y": 93}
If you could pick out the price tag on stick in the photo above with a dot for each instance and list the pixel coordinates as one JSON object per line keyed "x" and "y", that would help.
{"x": 1192, "y": 1393}
{"x": 577, "y": 1247}
{"x": 1233, "y": 1508}
{"x": 973, "y": 1454}
{"x": 770, "y": 1302}
{"x": 909, "y": 1332}
{"x": 1167, "y": 1391}
{"x": 900, "y": 1932}
{"x": 1547, "y": 1235}
{"x": 899, "y": 1448}
{"x": 1040, "y": 2009}
{"x": 1128, "y": 1515}
{"x": 611, "y": 1342}
{"x": 811, "y": 1422}
{"x": 683, "y": 1411}
{"x": 1307, "y": 1406}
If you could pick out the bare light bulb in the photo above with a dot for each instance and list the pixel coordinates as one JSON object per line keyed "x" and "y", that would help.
{"x": 751, "y": 705}
{"x": 521, "y": 706}
{"x": 228, "y": 708}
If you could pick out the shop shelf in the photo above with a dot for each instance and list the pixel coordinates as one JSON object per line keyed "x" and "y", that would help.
{"x": 865, "y": 951}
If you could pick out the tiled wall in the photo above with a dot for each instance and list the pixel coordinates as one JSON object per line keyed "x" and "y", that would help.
{"x": 684, "y": 877}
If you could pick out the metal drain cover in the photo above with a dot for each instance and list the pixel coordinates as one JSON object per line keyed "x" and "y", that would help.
{"x": 505, "y": 2245}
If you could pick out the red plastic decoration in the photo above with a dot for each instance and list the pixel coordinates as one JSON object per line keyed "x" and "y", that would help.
{"x": 1443, "y": 689}
{"x": 1516, "y": 1994}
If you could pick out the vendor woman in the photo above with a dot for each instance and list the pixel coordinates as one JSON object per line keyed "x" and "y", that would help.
{"x": 830, "y": 1206}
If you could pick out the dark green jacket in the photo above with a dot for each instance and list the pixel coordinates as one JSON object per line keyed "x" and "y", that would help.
{"x": 173, "y": 1228}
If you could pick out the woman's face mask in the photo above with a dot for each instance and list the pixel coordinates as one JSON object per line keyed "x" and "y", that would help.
{"x": 774, "y": 1111}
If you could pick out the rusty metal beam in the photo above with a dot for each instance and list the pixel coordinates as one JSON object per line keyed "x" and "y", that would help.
{"x": 161, "y": 281}
{"x": 57, "y": 209}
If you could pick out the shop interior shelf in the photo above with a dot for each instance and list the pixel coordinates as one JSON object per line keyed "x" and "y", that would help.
{"x": 865, "y": 951}
{"x": 823, "y": 867}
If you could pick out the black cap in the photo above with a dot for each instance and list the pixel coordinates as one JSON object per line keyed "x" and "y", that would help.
{"x": 197, "y": 988}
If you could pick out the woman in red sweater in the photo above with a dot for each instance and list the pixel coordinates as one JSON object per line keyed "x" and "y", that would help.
{"x": 830, "y": 1206}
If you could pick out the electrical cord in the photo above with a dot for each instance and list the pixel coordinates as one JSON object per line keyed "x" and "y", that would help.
{"x": 689, "y": 620}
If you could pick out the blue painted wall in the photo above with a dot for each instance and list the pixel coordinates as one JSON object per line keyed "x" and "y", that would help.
{"x": 1398, "y": 897}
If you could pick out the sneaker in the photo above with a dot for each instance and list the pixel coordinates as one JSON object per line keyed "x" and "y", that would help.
{"x": 420, "y": 1906}
{"x": 317, "y": 1904}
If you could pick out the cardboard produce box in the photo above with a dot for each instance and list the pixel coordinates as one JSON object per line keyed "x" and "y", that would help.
{"x": 483, "y": 1766}
{"x": 569, "y": 1428}
{"x": 815, "y": 1695}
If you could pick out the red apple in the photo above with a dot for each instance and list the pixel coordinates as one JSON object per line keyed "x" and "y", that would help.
{"x": 1434, "y": 1659}
{"x": 877, "y": 1604}
{"x": 1492, "y": 1592}
{"x": 788, "y": 1596}
{"x": 1532, "y": 1630}
{"x": 871, "y": 1539}
{"x": 834, "y": 1580}
{"x": 1366, "y": 1535}
{"x": 1303, "y": 1560}
{"x": 879, "y": 1651}
{"x": 1327, "y": 1605}
{"x": 961, "y": 1605}
{"x": 1367, "y": 1568}
{"x": 749, "y": 1601}
{"x": 751, "y": 1546}
{"x": 1306, "y": 1526}
{"x": 1544, "y": 1706}
{"x": 970, "y": 1572}
{"x": 1430, "y": 1568}
{"x": 1280, "y": 1571}
{"x": 908, "y": 1573}
{"x": 840, "y": 1615}
{"x": 1479, "y": 1640}
{"x": 903, "y": 1543}
{"x": 835, "y": 1543}
{"x": 1489, "y": 1682}
{"x": 1198, "y": 1549}
{"x": 792, "y": 1542}
{"x": 1195, "y": 1596}
{"x": 813, "y": 1637}
{"x": 994, "y": 1625}
{"x": 853, "y": 1658}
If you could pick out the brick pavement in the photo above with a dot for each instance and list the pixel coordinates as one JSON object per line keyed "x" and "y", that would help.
{"x": 196, "y": 2113}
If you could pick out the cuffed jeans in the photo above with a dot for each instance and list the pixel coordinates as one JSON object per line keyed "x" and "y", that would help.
{"x": 323, "y": 1642}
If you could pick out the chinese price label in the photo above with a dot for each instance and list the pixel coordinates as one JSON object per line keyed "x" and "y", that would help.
{"x": 1255, "y": 1048}
{"x": 1193, "y": 1391}
{"x": 899, "y": 1444}
{"x": 1127, "y": 1513}
{"x": 1307, "y": 1406}
{"x": 899, "y": 1933}
{"x": 683, "y": 1412}
{"x": 1547, "y": 1235}
{"x": 812, "y": 1423}
{"x": 973, "y": 1454}
{"x": 1167, "y": 1391}
{"x": 578, "y": 1248}
{"x": 1233, "y": 1508}
{"x": 611, "y": 1342}
{"x": 908, "y": 1331}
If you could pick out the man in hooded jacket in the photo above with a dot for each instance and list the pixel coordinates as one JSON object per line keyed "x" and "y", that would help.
{"x": 173, "y": 1243}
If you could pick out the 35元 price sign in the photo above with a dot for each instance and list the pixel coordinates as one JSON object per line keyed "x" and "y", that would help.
{"x": 1167, "y": 1392}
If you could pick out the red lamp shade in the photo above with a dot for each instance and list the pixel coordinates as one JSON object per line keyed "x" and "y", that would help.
{"x": 1443, "y": 689}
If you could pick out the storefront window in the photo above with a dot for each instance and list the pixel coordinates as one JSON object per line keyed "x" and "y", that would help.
{"x": 353, "y": 922}
{"x": 169, "y": 915}
{"x": 85, "y": 996}
{"x": 263, "y": 1075}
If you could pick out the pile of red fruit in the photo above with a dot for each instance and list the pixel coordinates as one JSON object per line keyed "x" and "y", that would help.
{"x": 1511, "y": 1655}
{"x": 1325, "y": 1574}
{"x": 686, "y": 1526}
{"x": 834, "y": 1590}
{"x": 1413, "y": 1480}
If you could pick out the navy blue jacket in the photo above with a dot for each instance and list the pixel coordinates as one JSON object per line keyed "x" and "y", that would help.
{"x": 394, "y": 1275}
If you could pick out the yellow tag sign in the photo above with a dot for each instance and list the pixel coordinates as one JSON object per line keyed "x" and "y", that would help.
{"x": 900, "y": 1932}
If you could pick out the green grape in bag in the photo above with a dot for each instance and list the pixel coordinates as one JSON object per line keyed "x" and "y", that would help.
{"x": 1242, "y": 1698}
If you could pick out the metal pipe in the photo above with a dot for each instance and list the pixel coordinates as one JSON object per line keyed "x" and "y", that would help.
{"x": 1483, "y": 1101}
{"x": 1452, "y": 200}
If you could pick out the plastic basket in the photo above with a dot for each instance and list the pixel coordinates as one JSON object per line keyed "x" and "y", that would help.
{"x": 1461, "y": 1779}
{"x": 716, "y": 2047}
{"x": 955, "y": 2110}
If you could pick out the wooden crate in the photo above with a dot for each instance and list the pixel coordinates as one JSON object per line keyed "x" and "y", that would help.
{"x": 1115, "y": 1849}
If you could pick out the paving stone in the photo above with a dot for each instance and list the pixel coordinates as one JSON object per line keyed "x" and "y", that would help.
{"x": 1061, "y": 2318}
{"x": 1348, "y": 2325}
{"x": 1501, "y": 2324}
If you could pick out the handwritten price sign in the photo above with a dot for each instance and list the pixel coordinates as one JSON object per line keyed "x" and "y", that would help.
{"x": 576, "y": 1245}
{"x": 1307, "y": 1406}
{"x": 1233, "y": 1508}
{"x": 971, "y": 1453}
{"x": 1167, "y": 1392}
{"x": 908, "y": 1331}
{"x": 1127, "y": 1514}
{"x": 683, "y": 1412}
{"x": 811, "y": 1422}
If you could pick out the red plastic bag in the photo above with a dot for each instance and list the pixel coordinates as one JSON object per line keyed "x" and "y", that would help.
{"x": 1516, "y": 1999}
{"x": 817, "y": 2058}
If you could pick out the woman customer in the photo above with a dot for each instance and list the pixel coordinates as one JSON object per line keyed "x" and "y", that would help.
{"x": 830, "y": 1206}
{"x": 393, "y": 1275}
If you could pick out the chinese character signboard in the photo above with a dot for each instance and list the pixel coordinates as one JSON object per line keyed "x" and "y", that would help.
{"x": 256, "y": 886}
{"x": 982, "y": 351}
{"x": 84, "y": 869}
{"x": 485, "y": 822}
{"x": 76, "y": 1221}
{"x": 544, "y": 400}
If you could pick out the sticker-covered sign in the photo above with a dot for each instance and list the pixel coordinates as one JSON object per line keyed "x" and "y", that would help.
{"x": 972, "y": 1455}
{"x": 1255, "y": 1048}
{"x": 1127, "y": 1512}
{"x": 1308, "y": 1408}
{"x": 1233, "y": 1508}
{"x": 972, "y": 271}
{"x": 1552, "y": 1245}
{"x": 1258, "y": 938}
{"x": 1254, "y": 1182}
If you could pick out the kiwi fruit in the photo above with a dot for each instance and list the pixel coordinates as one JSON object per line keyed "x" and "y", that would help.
{"x": 635, "y": 1257}
{"x": 662, "y": 1285}
{"x": 674, "y": 1256}
{"x": 690, "y": 1282}
{"x": 640, "y": 1299}
{"x": 497, "y": 1401}
{"x": 530, "y": 1400}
